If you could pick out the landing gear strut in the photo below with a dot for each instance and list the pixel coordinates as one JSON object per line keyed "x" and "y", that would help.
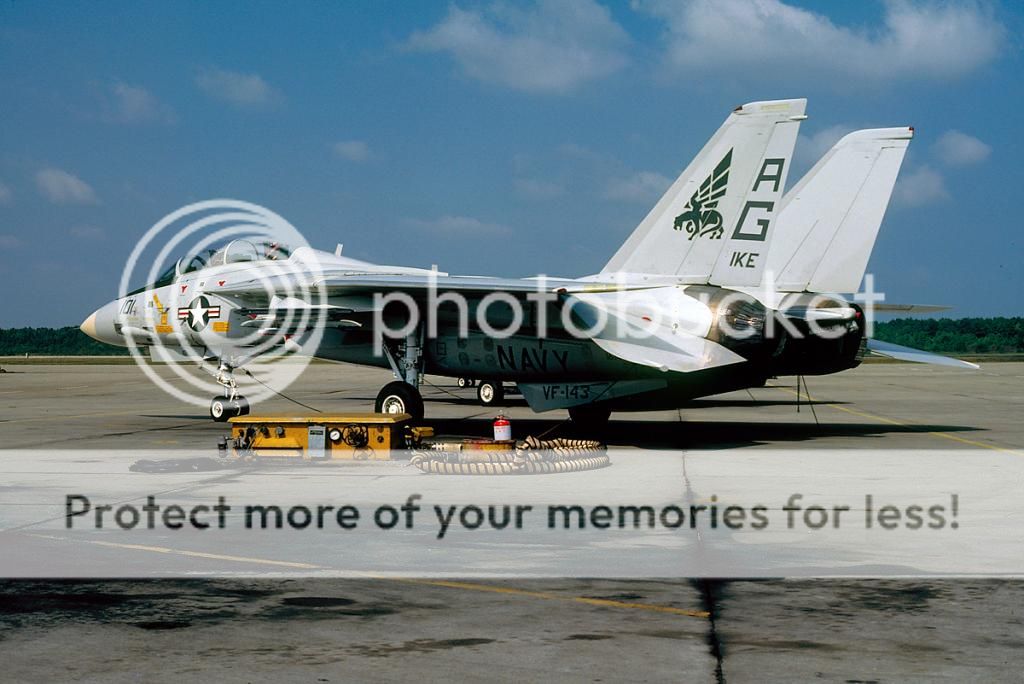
{"x": 403, "y": 395}
{"x": 232, "y": 404}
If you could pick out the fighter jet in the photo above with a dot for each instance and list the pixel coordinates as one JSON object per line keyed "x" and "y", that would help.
{"x": 725, "y": 283}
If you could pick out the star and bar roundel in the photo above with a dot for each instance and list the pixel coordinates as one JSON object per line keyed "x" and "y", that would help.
{"x": 199, "y": 313}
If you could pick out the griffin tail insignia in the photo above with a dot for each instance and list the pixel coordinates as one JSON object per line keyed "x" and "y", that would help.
{"x": 701, "y": 216}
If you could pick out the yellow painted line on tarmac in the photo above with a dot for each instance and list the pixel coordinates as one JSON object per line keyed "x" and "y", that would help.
{"x": 890, "y": 421}
{"x": 465, "y": 586}
{"x": 512, "y": 591}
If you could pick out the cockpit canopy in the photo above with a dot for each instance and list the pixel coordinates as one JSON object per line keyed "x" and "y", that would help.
{"x": 235, "y": 252}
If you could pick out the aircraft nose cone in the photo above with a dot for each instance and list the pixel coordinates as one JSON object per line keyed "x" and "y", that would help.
{"x": 101, "y": 325}
{"x": 89, "y": 326}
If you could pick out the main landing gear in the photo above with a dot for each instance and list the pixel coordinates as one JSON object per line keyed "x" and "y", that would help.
{"x": 490, "y": 393}
{"x": 403, "y": 395}
{"x": 230, "y": 404}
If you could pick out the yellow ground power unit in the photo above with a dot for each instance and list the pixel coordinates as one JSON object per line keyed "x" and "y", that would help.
{"x": 352, "y": 437}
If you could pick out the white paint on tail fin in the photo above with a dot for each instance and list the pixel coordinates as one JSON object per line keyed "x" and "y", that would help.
{"x": 829, "y": 221}
{"x": 722, "y": 204}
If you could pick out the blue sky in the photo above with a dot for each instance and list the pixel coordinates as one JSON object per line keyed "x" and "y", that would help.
{"x": 498, "y": 138}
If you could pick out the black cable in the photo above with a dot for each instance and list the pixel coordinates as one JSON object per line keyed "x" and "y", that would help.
{"x": 280, "y": 394}
{"x": 438, "y": 387}
{"x": 810, "y": 402}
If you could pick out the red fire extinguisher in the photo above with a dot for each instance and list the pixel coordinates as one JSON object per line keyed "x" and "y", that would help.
{"x": 502, "y": 429}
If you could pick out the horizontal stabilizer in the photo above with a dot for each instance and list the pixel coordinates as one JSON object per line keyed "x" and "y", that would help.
{"x": 909, "y": 308}
{"x": 895, "y": 351}
{"x": 806, "y": 313}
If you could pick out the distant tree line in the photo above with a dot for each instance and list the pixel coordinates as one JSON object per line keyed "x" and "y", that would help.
{"x": 956, "y": 335}
{"x": 949, "y": 335}
{"x": 69, "y": 341}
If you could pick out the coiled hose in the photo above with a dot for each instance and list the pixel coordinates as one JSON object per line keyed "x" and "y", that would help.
{"x": 531, "y": 456}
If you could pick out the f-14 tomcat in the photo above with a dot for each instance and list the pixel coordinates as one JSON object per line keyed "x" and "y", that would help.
{"x": 725, "y": 283}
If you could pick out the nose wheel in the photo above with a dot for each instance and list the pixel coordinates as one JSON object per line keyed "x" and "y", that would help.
{"x": 222, "y": 408}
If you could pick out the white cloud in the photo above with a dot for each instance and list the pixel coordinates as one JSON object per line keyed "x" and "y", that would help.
{"x": 538, "y": 189}
{"x": 959, "y": 149}
{"x": 61, "y": 187}
{"x": 577, "y": 170}
{"x": 550, "y": 47}
{"x": 234, "y": 87}
{"x": 770, "y": 39}
{"x": 134, "y": 104}
{"x": 352, "y": 150}
{"x": 6, "y": 195}
{"x": 922, "y": 186}
{"x": 459, "y": 226}
{"x": 9, "y": 242}
{"x": 576, "y": 150}
{"x": 639, "y": 186}
{"x": 88, "y": 233}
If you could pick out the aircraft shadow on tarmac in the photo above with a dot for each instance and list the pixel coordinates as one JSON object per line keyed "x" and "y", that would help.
{"x": 696, "y": 404}
{"x": 690, "y": 434}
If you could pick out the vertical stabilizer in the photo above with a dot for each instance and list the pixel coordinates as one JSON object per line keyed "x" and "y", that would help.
{"x": 829, "y": 221}
{"x": 714, "y": 223}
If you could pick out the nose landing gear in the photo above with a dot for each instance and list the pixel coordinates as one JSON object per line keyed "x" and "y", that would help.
{"x": 232, "y": 404}
{"x": 222, "y": 408}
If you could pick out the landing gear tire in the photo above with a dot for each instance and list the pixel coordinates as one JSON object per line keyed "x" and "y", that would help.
{"x": 590, "y": 416}
{"x": 221, "y": 409}
{"x": 466, "y": 382}
{"x": 490, "y": 393}
{"x": 241, "y": 406}
{"x": 400, "y": 397}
